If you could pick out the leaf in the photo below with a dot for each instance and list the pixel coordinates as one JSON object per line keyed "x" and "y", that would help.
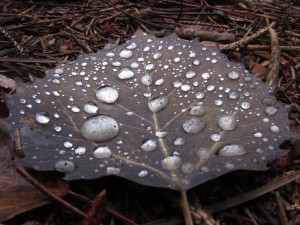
{"x": 161, "y": 112}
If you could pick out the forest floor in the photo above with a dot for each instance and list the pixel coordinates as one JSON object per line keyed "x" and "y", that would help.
{"x": 36, "y": 35}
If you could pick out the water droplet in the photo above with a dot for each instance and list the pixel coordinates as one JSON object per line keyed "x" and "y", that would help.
{"x": 143, "y": 173}
{"x": 245, "y": 105}
{"x": 131, "y": 46}
{"x": 159, "y": 81}
{"x": 257, "y": 134}
{"x": 203, "y": 153}
{"x": 59, "y": 71}
{"x": 197, "y": 110}
{"x": 187, "y": 167}
{"x": 157, "y": 104}
{"x": 233, "y": 75}
{"x": 271, "y": 110}
{"x": 68, "y": 144}
{"x": 275, "y": 129}
{"x": 129, "y": 113}
{"x": 232, "y": 150}
{"x": 149, "y": 145}
{"x": 179, "y": 141}
{"x": 150, "y": 67}
{"x": 190, "y": 74}
{"x": 146, "y": 49}
{"x": 126, "y": 74}
{"x": 22, "y": 101}
{"x": 134, "y": 65}
{"x": 90, "y": 107}
{"x": 42, "y": 118}
{"x": 161, "y": 134}
{"x": 205, "y": 76}
{"x": 233, "y": 95}
{"x": 215, "y": 137}
{"x": 192, "y": 54}
{"x": 193, "y": 125}
{"x": 107, "y": 94}
{"x": 185, "y": 87}
{"x": 218, "y": 102}
{"x": 55, "y": 81}
{"x": 57, "y": 128}
{"x": 229, "y": 166}
{"x": 171, "y": 162}
{"x": 64, "y": 166}
{"x": 177, "y": 83}
{"x": 199, "y": 95}
{"x": 125, "y": 53}
{"x": 210, "y": 87}
{"x": 227, "y": 122}
{"x": 80, "y": 150}
{"x": 157, "y": 55}
{"x": 116, "y": 63}
{"x": 102, "y": 152}
{"x": 111, "y": 170}
{"x": 99, "y": 128}
{"x": 147, "y": 80}
{"x": 196, "y": 62}
{"x": 75, "y": 109}
{"x": 110, "y": 54}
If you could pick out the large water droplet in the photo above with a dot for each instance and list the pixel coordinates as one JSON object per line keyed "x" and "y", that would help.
{"x": 99, "y": 128}
{"x": 197, "y": 110}
{"x": 102, "y": 152}
{"x": 107, "y": 94}
{"x": 193, "y": 125}
{"x": 157, "y": 104}
{"x": 171, "y": 162}
{"x": 90, "y": 107}
{"x": 232, "y": 150}
{"x": 245, "y": 105}
{"x": 233, "y": 75}
{"x": 149, "y": 145}
{"x": 227, "y": 122}
{"x": 125, "y": 53}
{"x": 126, "y": 74}
{"x": 42, "y": 118}
{"x": 147, "y": 80}
{"x": 64, "y": 166}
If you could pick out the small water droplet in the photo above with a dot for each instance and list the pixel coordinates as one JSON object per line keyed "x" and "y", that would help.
{"x": 57, "y": 128}
{"x": 107, "y": 94}
{"x": 80, "y": 150}
{"x": 110, "y": 54}
{"x": 192, "y": 54}
{"x": 149, "y": 145}
{"x": 75, "y": 109}
{"x": 125, "y": 53}
{"x": 190, "y": 74}
{"x": 271, "y": 110}
{"x": 232, "y": 150}
{"x": 68, "y": 144}
{"x": 161, "y": 134}
{"x": 193, "y": 125}
{"x": 102, "y": 152}
{"x": 187, "y": 167}
{"x": 185, "y": 87}
{"x": 126, "y": 74}
{"x": 134, "y": 65}
{"x": 150, "y": 67}
{"x": 245, "y": 105}
{"x": 257, "y": 134}
{"x": 42, "y": 118}
{"x": 116, "y": 63}
{"x": 205, "y": 76}
{"x": 275, "y": 129}
{"x": 171, "y": 162}
{"x": 159, "y": 81}
{"x": 147, "y": 80}
{"x": 99, "y": 128}
{"x": 229, "y": 166}
{"x": 179, "y": 141}
{"x": 59, "y": 71}
{"x": 197, "y": 110}
{"x": 227, "y": 122}
{"x": 22, "y": 101}
{"x": 177, "y": 83}
{"x": 90, "y": 107}
{"x": 199, "y": 95}
{"x": 111, "y": 170}
{"x": 215, "y": 137}
{"x": 131, "y": 46}
{"x": 143, "y": 173}
{"x": 233, "y": 95}
{"x": 218, "y": 102}
{"x": 203, "y": 153}
{"x": 196, "y": 62}
{"x": 157, "y": 55}
{"x": 233, "y": 75}
{"x": 210, "y": 87}
{"x": 157, "y": 104}
{"x": 64, "y": 166}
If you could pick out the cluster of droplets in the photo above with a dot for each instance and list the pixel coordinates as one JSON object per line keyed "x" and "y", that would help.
{"x": 206, "y": 96}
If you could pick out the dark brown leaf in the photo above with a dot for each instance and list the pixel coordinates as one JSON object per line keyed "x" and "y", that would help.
{"x": 162, "y": 112}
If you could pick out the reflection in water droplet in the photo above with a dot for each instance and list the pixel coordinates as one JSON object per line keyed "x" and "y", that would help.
{"x": 149, "y": 145}
{"x": 143, "y": 173}
{"x": 187, "y": 167}
{"x": 233, "y": 75}
{"x": 102, "y": 152}
{"x": 171, "y": 162}
{"x": 271, "y": 110}
{"x": 99, "y": 128}
{"x": 64, "y": 166}
{"x": 197, "y": 110}
{"x": 42, "y": 118}
{"x": 126, "y": 74}
{"x": 232, "y": 150}
{"x": 157, "y": 104}
{"x": 125, "y": 53}
{"x": 147, "y": 80}
{"x": 227, "y": 122}
{"x": 193, "y": 125}
{"x": 179, "y": 141}
{"x": 90, "y": 107}
{"x": 107, "y": 94}
{"x": 80, "y": 150}
{"x": 111, "y": 170}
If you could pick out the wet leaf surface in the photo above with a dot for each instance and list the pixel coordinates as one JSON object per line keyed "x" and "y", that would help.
{"x": 161, "y": 112}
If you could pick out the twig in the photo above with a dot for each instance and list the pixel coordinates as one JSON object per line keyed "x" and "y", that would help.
{"x": 282, "y": 213}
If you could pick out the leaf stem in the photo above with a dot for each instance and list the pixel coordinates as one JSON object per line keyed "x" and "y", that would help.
{"x": 185, "y": 207}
